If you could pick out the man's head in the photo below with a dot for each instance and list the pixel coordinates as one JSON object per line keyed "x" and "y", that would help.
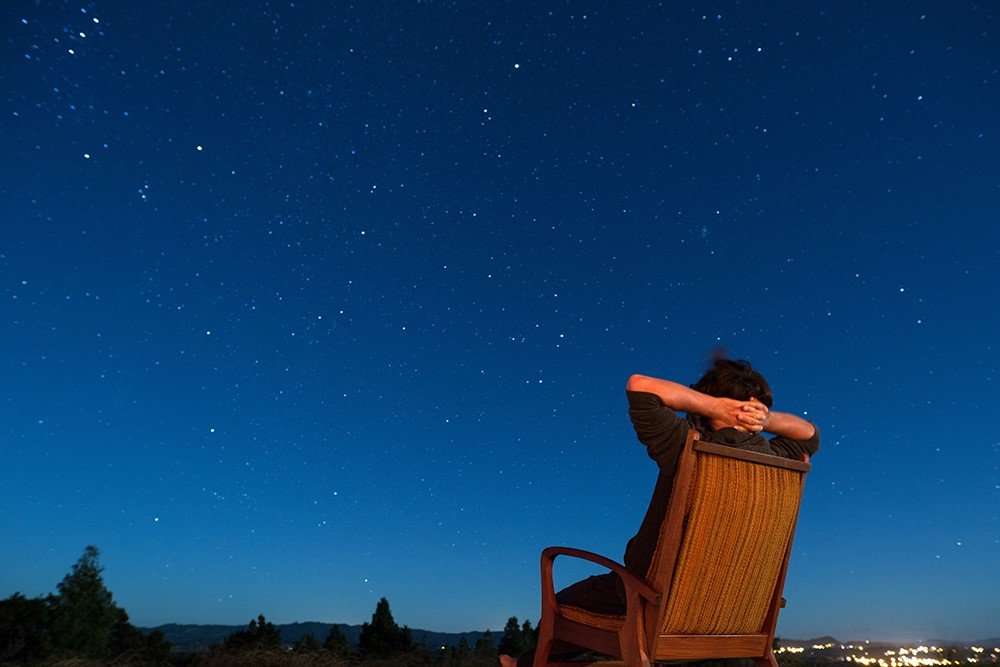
{"x": 728, "y": 378}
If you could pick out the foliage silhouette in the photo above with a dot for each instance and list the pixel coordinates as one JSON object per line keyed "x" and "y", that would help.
{"x": 129, "y": 644}
{"x": 517, "y": 638}
{"x": 260, "y": 634}
{"x": 84, "y": 613}
{"x": 25, "y": 629}
{"x": 336, "y": 643}
{"x": 485, "y": 648}
{"x": 81, "y": 622}
{"x": 307, "y": 644}
{"x": 383, "y": 637}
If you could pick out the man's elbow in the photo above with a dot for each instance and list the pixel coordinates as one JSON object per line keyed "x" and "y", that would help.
{"x": 814, "y": 439}
{"x": 637, "y": 382}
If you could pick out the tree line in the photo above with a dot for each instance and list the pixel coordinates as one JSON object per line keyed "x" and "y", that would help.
{"x": 382, "y": 639}
{"x": 82, "y": 622}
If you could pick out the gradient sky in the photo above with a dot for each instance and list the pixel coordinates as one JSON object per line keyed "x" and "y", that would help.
{"x": 309, "y": 303}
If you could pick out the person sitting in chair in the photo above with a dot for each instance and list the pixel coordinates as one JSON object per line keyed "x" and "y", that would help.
{"x": 729, "y": 405}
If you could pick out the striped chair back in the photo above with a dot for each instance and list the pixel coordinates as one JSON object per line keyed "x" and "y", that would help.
{"x": 724, "y": 547}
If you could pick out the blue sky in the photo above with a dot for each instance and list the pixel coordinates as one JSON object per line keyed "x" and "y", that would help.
{"x": 306, "y": 304}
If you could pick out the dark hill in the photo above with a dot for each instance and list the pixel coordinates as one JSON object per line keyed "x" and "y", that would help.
{"x": 191, "y": 638}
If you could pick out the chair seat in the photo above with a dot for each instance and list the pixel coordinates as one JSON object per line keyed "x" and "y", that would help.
{"x": 593, "y": 619}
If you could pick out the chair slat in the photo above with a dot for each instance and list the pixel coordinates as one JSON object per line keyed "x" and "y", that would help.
{"x": 746, "y": 455}
{"x": 699, "y": 647}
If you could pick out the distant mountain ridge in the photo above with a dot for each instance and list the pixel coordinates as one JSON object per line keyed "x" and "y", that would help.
{"x": 191, "y": 637}
{"x": 820, "y": 641}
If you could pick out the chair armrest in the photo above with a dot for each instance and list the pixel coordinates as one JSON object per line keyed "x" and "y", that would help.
{"x": 630, "y": 581}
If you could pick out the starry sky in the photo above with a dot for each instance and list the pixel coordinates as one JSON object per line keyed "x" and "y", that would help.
{"x": 309, "y": 303}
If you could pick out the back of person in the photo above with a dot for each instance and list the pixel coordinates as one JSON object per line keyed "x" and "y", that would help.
{"x": 730, "y": 405}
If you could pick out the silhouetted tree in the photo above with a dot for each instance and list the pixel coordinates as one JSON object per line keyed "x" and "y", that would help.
{"x": 157, "y": 647}
{"x": 421, "y": 652}
{"x": 383, "y": 637}
{"x": 82, "y": 621}
{"x": 307, "y": 643}
{"x": 125, "y": 637}
{"x": 510, "y": 642}
{"x": 517, "y": 638}
{"x": 459, "y": 655}
{"x": 485, "y": 648}
{"x": 260, "y": 634}
{"x": 529, "y": 635}
{"x": 25, "y": 629}
{"x": 128, "y": 643}
{"x": 336, "y": 643}
{"x": 84, "y": 612}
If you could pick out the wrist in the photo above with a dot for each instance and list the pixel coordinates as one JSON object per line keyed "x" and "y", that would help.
{"x": 715, "y": 409}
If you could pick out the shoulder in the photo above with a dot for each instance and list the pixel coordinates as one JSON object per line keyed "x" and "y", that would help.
{"x": 657, "y": 427}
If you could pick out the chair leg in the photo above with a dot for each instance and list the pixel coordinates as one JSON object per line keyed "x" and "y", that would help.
{"x": 632, "y": 636}
{"x": 634, "y": 656}
{"x": 767, "y": 661}
{"x": 542, "y": 651}
{"x": 543, "y": 648}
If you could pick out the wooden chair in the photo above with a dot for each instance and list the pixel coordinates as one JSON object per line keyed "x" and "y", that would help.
{"x": 714, "y": 586}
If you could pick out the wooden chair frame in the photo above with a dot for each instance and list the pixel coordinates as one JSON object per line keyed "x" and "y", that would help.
{"x": 636, "y": 641}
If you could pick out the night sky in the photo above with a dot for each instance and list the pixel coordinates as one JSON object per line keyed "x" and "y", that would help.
{"x": 309, "y": 303}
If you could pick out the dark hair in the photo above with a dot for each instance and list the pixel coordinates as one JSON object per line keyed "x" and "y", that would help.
{"x": 731, "y": 378}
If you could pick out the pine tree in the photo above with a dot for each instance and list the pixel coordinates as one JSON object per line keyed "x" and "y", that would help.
{"x": 485, "y": 648}
{"x": 462, "y": 653}
{"x": 421, "y": 652}
{"x": 511, "y": 642}
{"x": 529, "y": 636}
{"x": 336, "y": 643}
{"x": 260, "y": 634}
{"x": 383, "y": 637}
{"x": 82, "y": 621}
{"x": 84, "y": 612}
{"x": 307, "y": 643}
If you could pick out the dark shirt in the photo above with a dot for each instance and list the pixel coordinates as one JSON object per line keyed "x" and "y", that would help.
{"x": 663, "y": 433}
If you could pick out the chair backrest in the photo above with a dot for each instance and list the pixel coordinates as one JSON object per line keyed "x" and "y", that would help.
{"x": 724, "y": 545}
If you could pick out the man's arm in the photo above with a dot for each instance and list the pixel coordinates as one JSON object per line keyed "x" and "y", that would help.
{"x": 743, "y": 415}
{"x": 789, "y": 426}
{"x": 794, "y": 436}
{"x": 785, "y": 425}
